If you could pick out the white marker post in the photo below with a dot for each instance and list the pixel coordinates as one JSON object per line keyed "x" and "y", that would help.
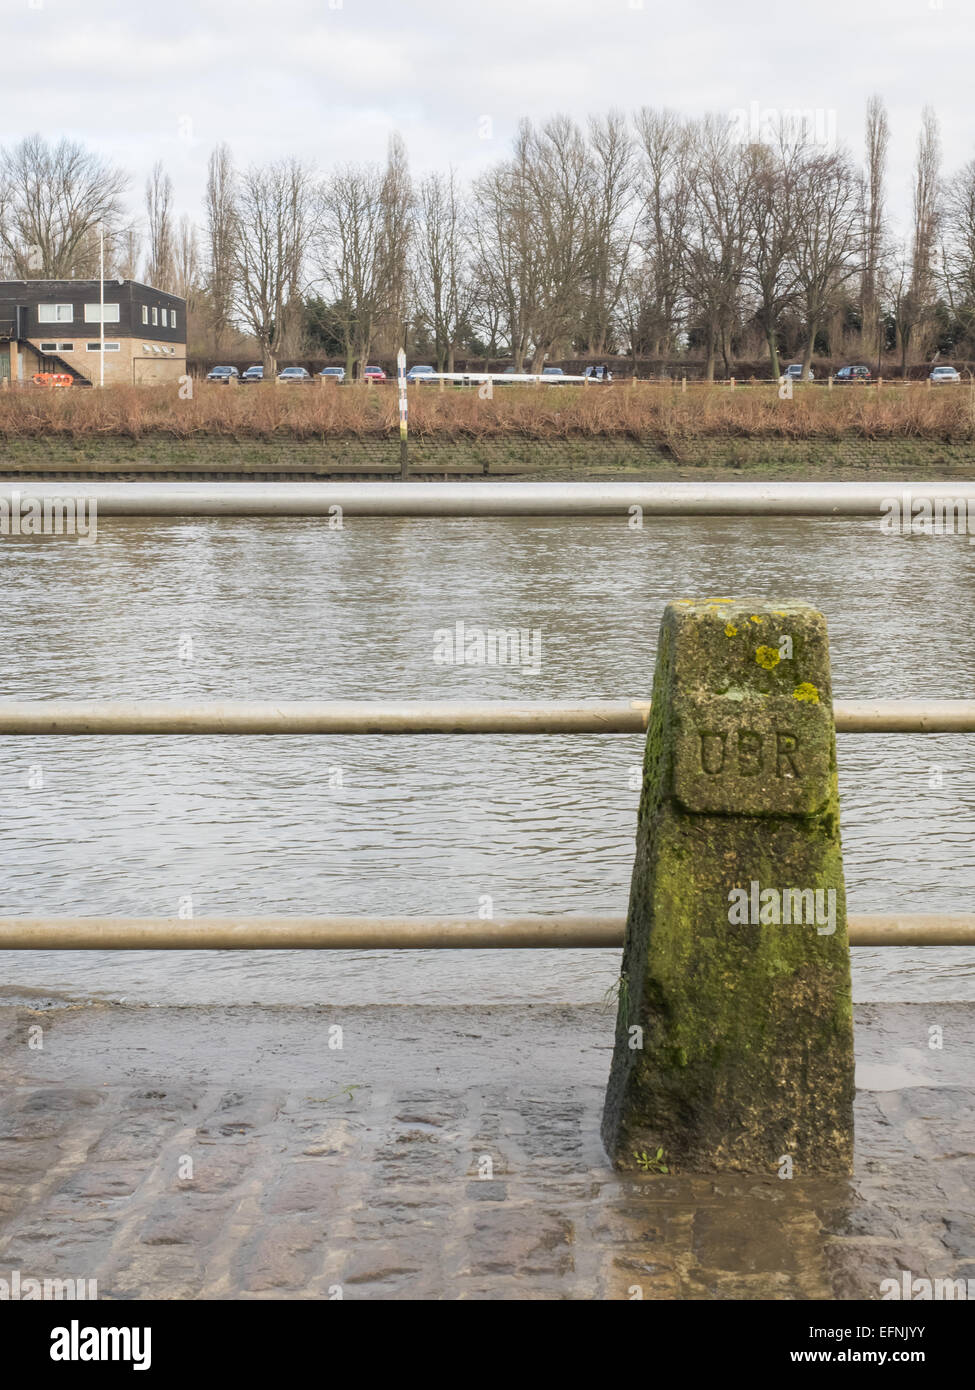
{"x": 401, "y": 372}
{"x": 101, "y": 303}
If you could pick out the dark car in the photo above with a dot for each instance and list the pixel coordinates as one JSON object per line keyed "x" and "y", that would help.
{"x": 294, "y": 374}
{"x": 223, "y": 374}
{"x": 253, "y": 374}
{"x": 846, "y": 376}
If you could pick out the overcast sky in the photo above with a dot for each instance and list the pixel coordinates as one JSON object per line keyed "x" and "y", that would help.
{"x": 328, "y": 80}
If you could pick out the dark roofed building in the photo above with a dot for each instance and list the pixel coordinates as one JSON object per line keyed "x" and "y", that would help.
{"x": 54, "y": 326}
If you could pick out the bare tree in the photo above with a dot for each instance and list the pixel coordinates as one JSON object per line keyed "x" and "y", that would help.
{"x": 53, "y": 200}
{"x": 657, "y": 313}
{"x": 537, "y": 229}
{"x": 826, "y": 253}
{"x": 272, "y": 229}
{"x": 505, "y": 256}
{"x": 393, "y": 250}
{"x": 444, "y": 289}
{"x": 874, "y": 223}
{"x": 914, "y": 307}
{"x": 350, "y": 256}
{"x": 958, "y": 247}
{"x": 719, "y": 236}
{"x": 771, "y": 264}
{"x": 562, "y": 201}
{"x": 128, "y": 253}
{"x": 161, "y": 254}
{"x": 614, "y": 228}
{"x": 187, "y": 275}
{"x": 220, "y": 234}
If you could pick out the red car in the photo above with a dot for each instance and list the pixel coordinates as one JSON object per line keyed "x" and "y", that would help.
{"x": 373, "y": 374}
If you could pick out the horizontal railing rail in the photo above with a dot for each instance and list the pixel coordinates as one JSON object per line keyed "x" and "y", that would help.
{"x": 165, "y": 717}
{"x": 491, "y": 499}
{"x": 534, "y": 932}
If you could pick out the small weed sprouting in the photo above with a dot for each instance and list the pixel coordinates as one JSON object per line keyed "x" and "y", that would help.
{"x": 652, "y": 1163}
{"x": 619, "y": 993}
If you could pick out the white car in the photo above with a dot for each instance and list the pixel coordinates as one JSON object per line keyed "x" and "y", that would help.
{"x": 944, "y": 374}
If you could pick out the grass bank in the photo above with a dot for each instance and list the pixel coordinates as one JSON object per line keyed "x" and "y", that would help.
{"x": 210, "y": 456}
{"x": 644, "y": 413}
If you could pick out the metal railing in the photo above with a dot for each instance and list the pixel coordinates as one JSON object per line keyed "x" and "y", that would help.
{"x": 165, "y": 717}
{"x": 302, "y": 717}
{"x": 530, "y": 932}
{"x": 487, "y": 499}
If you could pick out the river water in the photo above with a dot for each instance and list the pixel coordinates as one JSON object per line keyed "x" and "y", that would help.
{"x": 288, "y": 609}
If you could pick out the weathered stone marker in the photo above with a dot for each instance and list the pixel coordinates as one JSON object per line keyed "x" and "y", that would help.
{"x": 734, "y": 1038}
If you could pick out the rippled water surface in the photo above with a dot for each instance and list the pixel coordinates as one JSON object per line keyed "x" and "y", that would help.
{"x": 288, "y": 609}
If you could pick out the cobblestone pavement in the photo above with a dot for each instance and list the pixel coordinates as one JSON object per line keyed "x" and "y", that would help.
{"x": 442, "y": 1153}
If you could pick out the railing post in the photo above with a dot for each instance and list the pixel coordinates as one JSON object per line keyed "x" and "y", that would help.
{"x": 734, "y": 1039}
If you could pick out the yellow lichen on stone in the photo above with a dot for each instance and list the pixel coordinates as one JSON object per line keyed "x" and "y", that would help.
{"x": 767, "y": 657}
{"x": 806, "y": 691}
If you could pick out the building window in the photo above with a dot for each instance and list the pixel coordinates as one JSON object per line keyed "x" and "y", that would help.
{"x": 145, "y": 313}
{"x": 155, "y": 315}
{"x": 165, "y": 318}
{"x": 57, "y": 347}
{"x": 55, "y": 313}
{"x": 172, "y": 319}
{"x": 92, "y": 314}
{"x": 109, "y": 347}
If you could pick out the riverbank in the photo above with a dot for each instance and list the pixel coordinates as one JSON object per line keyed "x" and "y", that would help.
{"x": 718, "y": 457}
{"x": 441, "y": 1153}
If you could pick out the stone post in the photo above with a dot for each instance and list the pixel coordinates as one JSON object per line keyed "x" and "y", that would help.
{"x": 734, "y": 1038}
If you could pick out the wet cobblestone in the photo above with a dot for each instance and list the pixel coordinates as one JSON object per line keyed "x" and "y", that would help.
{"x": 135, "y": 1152}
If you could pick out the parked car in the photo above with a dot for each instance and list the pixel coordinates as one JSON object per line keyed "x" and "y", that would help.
{"x": 598, "y": 374}
{"x": 223, "y": 374}
{"x": 794, "y": 372}
{"x": 373, "y": 374}
{"x": 847, "y": 375}
{"x": 552, "y": 371}
{"x": 253, "y": 374}
{"x": 333, "y": 374}
{"x": 418, "y": 373}
{"x": 294, "y": 374}
{"x": 942, "y": 374}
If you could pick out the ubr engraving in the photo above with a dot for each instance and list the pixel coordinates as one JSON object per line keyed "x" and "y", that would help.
{"x": 748, "y": 752}
{"x": 761, "y": 756}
